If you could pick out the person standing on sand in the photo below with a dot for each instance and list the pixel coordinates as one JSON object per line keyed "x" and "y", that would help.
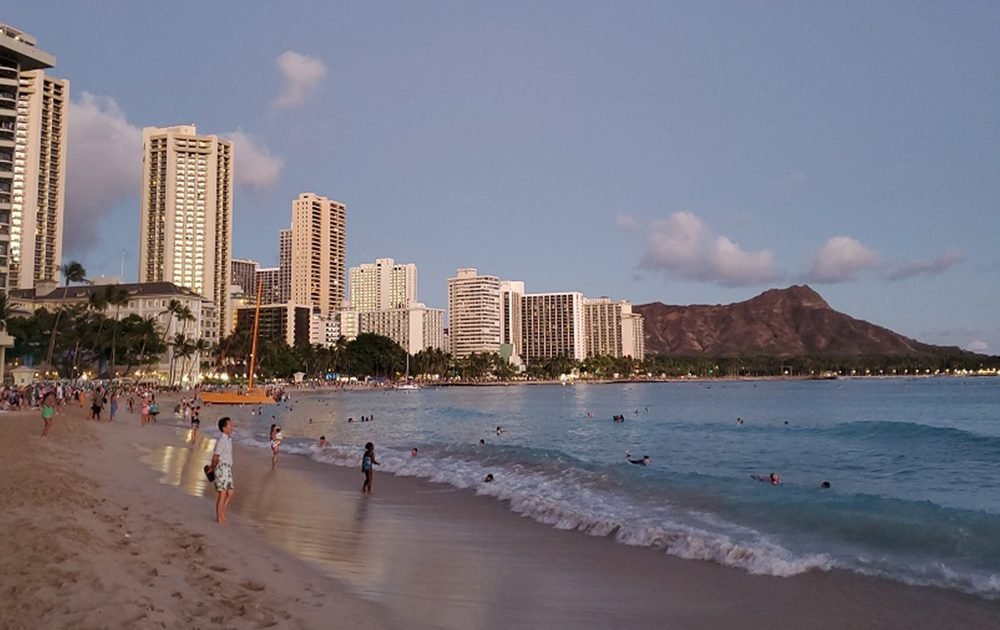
{"x": 367, "y": 460}
{"x": 275, "y": 444}
{"x": 222, "y": 466}
{"x": 144, "y": 411}
{"x": 48, "y": 410}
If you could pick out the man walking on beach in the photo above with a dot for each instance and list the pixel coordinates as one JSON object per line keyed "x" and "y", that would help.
{"x": 222, "y": 466}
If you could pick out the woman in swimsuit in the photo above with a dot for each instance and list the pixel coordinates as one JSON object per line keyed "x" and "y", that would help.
{"x": 367, "y": 460}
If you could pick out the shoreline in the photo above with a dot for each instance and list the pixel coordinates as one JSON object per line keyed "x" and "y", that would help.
{"x": 315, "y": 510}
{"x": 417, "y": 554}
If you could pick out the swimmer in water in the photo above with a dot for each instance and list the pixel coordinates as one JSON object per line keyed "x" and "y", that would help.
{"x": 413, "y": 453}
{"x": 825, "y": 485}
{"x": 772, "y": 479}
{"x": 322, "y": 441}
{"x": 488, "y": 478}
{"x": 638, "y": 462}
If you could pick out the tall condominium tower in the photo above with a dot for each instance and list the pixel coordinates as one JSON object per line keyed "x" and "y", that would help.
{"x": 511, "y": 296}
{"x": 32, "y": 162}
{"x": 318, "y": 248}
{"x": 553, "y": 326}
{"x": 284, "y": 286}
{"x": 473, "y": 313}
{"x": 185, "y": 235}
{"x": 382, "y": 285}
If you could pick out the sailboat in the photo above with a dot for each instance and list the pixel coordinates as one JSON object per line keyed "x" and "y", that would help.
{"x": 252, "y": 395}
{"x": 408, "y": 386}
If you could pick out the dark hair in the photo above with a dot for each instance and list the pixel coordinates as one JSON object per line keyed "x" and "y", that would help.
{"x": 825, "y": 484}
{"x": 322, "y": 437}
{"x": 369, "y": 446}
{"x": 223, "y": 421}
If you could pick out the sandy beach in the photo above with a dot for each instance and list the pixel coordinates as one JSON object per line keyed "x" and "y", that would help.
{"x": 111, "y": 525}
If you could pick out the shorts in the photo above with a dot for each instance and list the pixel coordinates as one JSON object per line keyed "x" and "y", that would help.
{"x": 223, "y": 477}
{"x": 195, "y": 422}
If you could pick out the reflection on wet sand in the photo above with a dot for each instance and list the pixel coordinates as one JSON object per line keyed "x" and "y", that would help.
{"x": 183, "y": 466}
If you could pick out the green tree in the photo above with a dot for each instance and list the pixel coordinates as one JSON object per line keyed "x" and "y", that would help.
{"x": 72, "y": 272}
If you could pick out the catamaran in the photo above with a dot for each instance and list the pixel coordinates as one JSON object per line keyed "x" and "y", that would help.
{"x": 252, "y": 395}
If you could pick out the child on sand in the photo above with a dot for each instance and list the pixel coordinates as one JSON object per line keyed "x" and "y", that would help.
{"x": 367, "y": 460}
{"x": 48, "y": 410}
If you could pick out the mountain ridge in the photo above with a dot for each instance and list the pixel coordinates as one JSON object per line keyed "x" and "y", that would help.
{"x": 790, "y": 322}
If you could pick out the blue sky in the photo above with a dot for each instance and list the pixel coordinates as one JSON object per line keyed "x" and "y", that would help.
{"x": 695, "y": 152}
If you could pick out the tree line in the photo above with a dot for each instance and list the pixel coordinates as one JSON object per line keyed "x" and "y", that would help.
{"x": 91, "y": 337}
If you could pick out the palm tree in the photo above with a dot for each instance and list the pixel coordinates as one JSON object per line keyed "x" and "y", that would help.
{"x": 72, "y": 272}
{"x": 184, "y": 349}
{"x": 5, "y": 311}
{"x": 201, "y": 347}
{"x": 117, "y": 297}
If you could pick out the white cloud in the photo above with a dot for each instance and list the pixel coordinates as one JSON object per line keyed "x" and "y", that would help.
{"x": 939, "y": 265}
{"x": 841, "y": 259}
{"x": 684, "y": 246}
{"x": 626, "y": 222}
{"x": 254, "y": 168}
{"x": 104, "y": 165}
{"x": 301, "y": 74}
{"x": 977, "y": 346}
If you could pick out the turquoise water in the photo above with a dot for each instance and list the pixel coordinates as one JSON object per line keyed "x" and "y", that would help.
{"x": 913, "y": 466}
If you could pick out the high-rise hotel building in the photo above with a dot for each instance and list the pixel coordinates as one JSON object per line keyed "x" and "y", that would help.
{"x": 553, "y": 326}
{"x": 473, "y": 313}
{"x": 33, "y": 124}
{"x": 613, "y": 330}
{"x": 382, "y": 285}
{"x": 185, "y": 234}
{"x": 317, "y": 253}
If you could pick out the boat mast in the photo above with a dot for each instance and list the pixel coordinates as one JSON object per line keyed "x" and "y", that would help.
{"x": 256, "y": 324}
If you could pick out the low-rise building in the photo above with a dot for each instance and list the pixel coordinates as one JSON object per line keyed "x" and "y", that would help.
{"x": 145, "y": 299}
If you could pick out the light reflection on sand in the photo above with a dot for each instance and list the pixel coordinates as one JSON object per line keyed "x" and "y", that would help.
{"x": 183, "y": 466}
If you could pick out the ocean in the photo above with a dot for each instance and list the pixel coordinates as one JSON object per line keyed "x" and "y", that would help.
{"x": 913, "y": 464}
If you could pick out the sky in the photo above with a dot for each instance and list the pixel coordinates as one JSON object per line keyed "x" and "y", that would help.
{"x": 681, "y": 152}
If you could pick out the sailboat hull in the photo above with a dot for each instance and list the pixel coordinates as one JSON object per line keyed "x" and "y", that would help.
{"x": 252, "y": 397}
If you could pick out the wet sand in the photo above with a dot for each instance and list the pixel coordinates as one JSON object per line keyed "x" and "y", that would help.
{"x": 91, "y": 540}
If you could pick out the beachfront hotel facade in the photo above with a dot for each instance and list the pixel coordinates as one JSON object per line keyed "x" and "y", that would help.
{"x": 473, "y": 313}
{"x": 553, "y": 326}
{"x": 384, "y": 284}
{"x": 185, "y": 234}
{"x": 317, "y": 252}
{"x": 414, "y": 328}
{"x": 33, "y": 126}
{"x": 612, "y": 329}
{"x": 147, "y": 300}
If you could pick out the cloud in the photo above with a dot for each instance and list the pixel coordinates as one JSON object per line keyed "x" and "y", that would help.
{"x": 683, "y": 245}
{"x": 841, "y": 259}
{"x": 934, "y": 267}
{"x": 301, "y": 74}
{"x": 626, "y": 222}
{"x": 977, "y": 346}
{"x": 254, "y": 168}
{"x": 104, "y": 165}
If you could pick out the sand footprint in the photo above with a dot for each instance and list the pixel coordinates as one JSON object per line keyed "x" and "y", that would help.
{"x": 250, "y": 585}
